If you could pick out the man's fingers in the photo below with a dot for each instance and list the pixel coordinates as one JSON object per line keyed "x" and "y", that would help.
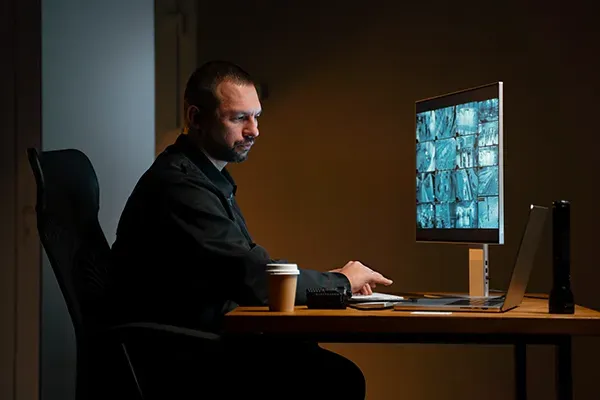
{"x": 378, "y": 278}
{"x": 365, "y": 290}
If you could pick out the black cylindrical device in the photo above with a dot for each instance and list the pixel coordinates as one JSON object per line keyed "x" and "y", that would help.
{"x": 561, "y": 297}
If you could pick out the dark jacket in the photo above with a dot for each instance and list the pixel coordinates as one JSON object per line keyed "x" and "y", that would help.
{"x": 183, "y": 254}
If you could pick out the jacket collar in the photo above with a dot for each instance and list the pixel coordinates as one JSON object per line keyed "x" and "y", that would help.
{"x": 221, "y": 179}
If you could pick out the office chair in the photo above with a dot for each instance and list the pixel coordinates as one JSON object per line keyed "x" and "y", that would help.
{"x": 67, "y": 208}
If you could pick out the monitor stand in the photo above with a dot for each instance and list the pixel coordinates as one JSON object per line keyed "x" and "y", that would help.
{"x": 479, "y": 284}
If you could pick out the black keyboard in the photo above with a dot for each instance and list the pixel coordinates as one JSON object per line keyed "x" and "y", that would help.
{"x": 477, "y": 302}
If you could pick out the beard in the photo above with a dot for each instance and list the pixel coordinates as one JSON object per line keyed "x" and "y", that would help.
{"x": 222, "y": 152}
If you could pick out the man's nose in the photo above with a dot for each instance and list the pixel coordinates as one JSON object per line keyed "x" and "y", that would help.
{"x": 251, "y": 128}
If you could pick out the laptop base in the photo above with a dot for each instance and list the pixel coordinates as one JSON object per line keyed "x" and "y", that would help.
{"x": 452, "y": 304}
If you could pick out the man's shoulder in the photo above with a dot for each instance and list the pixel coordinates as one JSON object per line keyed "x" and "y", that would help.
{"x": 173, "y": 167}
{"x": 173, "y": 176}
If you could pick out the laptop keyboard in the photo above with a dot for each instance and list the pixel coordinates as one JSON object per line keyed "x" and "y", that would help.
{"x": 477, "y": 302}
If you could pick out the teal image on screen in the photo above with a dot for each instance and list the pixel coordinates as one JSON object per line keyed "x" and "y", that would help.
{"x": 457, "y": 166}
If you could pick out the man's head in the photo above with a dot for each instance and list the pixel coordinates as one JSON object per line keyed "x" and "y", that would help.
{"x": 222, "y": 109}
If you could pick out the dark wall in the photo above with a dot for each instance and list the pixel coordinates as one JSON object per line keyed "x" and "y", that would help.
{"x": 331, "y": 178}
{"x": 8, "y": 179}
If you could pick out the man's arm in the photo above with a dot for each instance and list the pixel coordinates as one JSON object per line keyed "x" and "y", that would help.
{"x": 312, "y": 279}
{"x": 225, "y": 256}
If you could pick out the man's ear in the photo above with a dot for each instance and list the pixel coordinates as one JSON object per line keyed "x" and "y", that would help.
{"x": 192, "y": 114}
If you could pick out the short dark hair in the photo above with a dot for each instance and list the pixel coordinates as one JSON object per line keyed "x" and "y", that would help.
{"x": 201, "y": 86}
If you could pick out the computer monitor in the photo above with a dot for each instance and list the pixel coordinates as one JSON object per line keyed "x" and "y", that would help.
{"x": 459, "y": 169}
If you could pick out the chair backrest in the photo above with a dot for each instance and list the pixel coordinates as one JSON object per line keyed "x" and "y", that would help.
{"x": 67, "y": 207}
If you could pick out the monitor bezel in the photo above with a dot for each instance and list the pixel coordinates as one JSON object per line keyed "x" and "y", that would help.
{"x": 468, "y": 236}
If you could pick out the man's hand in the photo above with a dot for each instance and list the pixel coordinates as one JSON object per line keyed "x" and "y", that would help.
{"x": 362, "y": 278}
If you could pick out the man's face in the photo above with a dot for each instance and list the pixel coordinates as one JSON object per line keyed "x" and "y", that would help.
{"x": 231, "y": 133}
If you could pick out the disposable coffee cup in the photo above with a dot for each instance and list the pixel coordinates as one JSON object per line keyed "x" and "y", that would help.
{"x": 282, "y": 286}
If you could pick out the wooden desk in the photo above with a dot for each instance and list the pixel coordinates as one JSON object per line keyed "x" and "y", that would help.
{"x": 529, "y": 323}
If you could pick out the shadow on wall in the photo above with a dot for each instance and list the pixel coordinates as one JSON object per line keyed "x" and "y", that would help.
{"x": 339, "y": 123}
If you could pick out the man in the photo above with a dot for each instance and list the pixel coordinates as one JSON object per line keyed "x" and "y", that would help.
{"x": 183, "y": 254}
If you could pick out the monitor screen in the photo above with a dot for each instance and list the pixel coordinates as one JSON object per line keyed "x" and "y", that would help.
{"x": 459, "y": 160}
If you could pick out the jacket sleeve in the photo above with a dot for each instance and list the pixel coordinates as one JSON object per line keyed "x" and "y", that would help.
{"x": 312, "y": 279}
{"x": 225, "y": 256}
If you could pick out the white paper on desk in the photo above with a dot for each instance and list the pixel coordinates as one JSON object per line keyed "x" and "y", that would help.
{"x": 375, "y": 297}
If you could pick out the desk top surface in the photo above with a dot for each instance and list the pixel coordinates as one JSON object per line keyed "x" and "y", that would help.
{"x": 531, "y": 317}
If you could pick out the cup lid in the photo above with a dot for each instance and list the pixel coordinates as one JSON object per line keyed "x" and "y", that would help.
{"x": 282, "y": 269}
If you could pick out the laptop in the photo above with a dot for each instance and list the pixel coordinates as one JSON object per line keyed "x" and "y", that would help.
{"x": 518, "y": 282}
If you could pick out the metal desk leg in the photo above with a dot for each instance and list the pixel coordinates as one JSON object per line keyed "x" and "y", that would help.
{"x": 520, "y": 370}
{"x": 563, "y": 368}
